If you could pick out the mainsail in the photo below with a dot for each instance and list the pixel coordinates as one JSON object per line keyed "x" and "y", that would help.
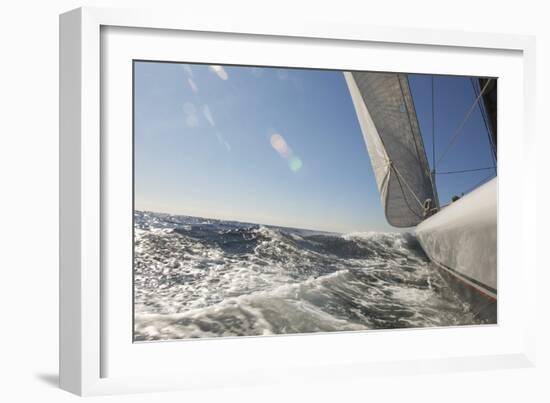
{"x": 387, "y": 117}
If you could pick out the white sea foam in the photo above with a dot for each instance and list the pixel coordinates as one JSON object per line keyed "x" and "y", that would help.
{"x": 198, "y": 277}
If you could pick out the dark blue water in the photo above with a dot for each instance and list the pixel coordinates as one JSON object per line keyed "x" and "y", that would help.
{"x": 197, "y": 277}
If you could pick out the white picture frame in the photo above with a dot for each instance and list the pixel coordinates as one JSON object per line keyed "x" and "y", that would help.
{"x": 93, "y": 350}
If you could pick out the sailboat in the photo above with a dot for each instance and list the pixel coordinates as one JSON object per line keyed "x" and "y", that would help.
{"x": 459, "y": 238}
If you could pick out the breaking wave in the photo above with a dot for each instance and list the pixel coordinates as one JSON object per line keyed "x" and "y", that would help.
{"x": 197, "y": 277}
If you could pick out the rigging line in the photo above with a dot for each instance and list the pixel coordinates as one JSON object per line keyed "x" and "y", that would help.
{"x": 418, "y": 141}
{"x": 481, "y": 108}
{"x": 465, "y": 170}
{"x": 390, "y": 164}
{"x": 461, "y": 126}
{"x": 403, "y": 192}
{"x": 408, "y": 113}
{"x": 484, "y": 180}
{"x": 407, "y": 185}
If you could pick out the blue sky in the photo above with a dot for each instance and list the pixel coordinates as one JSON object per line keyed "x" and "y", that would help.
{"x": 280, "y": 146}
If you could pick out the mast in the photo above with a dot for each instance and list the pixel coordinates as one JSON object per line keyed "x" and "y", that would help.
{"x": 490, "y": 105}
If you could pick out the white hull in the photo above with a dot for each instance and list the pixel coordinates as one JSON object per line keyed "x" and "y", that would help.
{"x": 461, "y": 239}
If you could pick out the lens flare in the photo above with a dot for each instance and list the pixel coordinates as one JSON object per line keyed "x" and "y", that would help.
{"x": 295, "y": 163}
{"x": 193, "y": 86}
{"x": 282, "y": 74}
{"x": 220, "y": 72}
{"x": 189, "y": 108}
{"x": 190, "y": 112}
{"x": 188, "y": 70}
{"x": 208, "y": 115}
{"x": 191, "y": 121}
{"x": 256, "y": 72}
{"x": 280, "y": 145}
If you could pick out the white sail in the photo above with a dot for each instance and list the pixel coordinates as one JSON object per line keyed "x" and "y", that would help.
{"x": 387, "y": 117}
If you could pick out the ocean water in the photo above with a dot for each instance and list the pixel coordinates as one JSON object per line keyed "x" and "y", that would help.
{"x": 197, "y": 277}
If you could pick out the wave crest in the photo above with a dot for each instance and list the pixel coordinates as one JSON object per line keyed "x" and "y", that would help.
{"x": 197, "y": 277}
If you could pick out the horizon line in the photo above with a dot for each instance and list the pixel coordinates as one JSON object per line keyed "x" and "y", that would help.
{"x": 266, "y": 224}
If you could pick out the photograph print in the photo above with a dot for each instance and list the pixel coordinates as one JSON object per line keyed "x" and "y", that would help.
{"x": 277, "y": 201}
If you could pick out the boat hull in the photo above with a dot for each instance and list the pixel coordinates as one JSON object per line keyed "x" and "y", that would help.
{"x": 461, "y": 240}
